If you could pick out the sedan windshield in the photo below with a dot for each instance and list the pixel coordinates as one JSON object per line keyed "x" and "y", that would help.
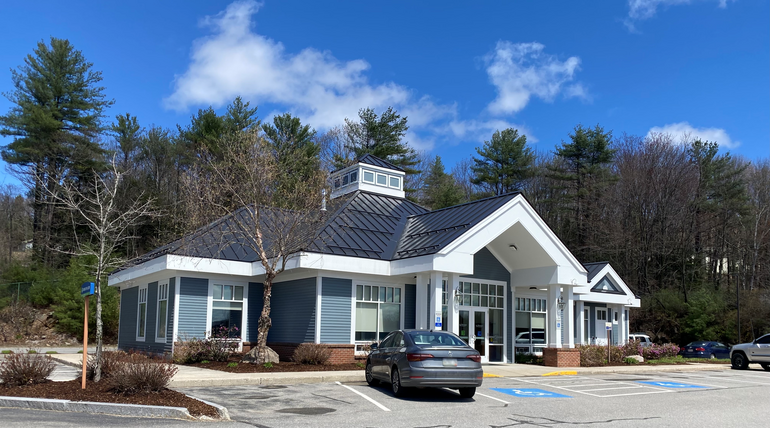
{"x": 436, "y": 338}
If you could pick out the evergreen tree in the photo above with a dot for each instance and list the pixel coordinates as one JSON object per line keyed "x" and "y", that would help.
{"x": 440, "y": 190}
{"x": 381, "y": 136}
{"x": 583, "y": 168}
{"x": 294, "y": 146}
{"x": 55, "y": 118}
{"x": 505, "y": 162}
{"x": 206, "y": 128}
{"x": 240, "y": 117}
{"x": 127, "y": 135}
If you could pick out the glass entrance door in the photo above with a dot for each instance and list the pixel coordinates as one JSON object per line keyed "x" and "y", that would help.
{"x": 474, "y": 330}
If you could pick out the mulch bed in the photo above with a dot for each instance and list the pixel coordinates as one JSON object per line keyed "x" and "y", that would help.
{"x": 71, "y": 390}
{"x": 282, "y": 367}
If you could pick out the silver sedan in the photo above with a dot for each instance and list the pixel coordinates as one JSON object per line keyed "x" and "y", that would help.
{"x": 410, "y": 358}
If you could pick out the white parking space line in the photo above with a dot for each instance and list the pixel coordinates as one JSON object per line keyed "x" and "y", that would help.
{"x": 729, "y": 379}
{"x": 647, "y": 389}
{"x": 493, "y": 398}
{"x": 634, "y": 393}
{"x": 365, "y": 397}
{"x": 689, "y": 378}
{"x": 610, "y": 389}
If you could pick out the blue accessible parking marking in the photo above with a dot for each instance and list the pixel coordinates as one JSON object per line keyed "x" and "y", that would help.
{"x": 673, "y": 385}
{"x": 529, "y": 392}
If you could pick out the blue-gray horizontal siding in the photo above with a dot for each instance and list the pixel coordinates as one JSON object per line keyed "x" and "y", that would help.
{"x": 336, "y": 301}
{"x": 486, "y": 266}
{"x": 255, "y": 309}
{"x": 129, "y": 302}
{"x": 293, "y": 311}
{"x": 193, "y": 307}
{"x": 410, "y": 305}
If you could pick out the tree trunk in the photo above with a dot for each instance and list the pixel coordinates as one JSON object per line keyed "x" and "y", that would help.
{"x": 257, "y": 354}
{"x": 99, "y": 332}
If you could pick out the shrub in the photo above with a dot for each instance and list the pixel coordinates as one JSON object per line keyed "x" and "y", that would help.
{"x": 311, "y": 353}
{"x": 140, "y": 374}
{"x": 110, "y": 362}
{"x": 219, "y": 347}
{"x": 232, "y": 365}
{"x": 527, "y": 358}
{"x": 630, "y": 361}
{"x": 26, "y": 369}
{"x": 16, "y": 321}
{"x": 656, "y": 351}
{"x": 268, "y": 365}
{"x": 593, "y": 355}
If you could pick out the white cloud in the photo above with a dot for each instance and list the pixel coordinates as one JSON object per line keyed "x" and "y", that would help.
{"x": 323, "y": 90}
{"x": 639, "y": 10}
{"x": 520, "y": 71}
{"x": 687, "y": 132}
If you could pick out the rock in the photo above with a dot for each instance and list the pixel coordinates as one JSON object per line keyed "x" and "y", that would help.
{"x": 269, "y": 357}
{"x": 638, "y": 358}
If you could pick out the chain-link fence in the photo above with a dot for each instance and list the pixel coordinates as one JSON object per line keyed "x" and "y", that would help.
{"x": 14, "y": 292}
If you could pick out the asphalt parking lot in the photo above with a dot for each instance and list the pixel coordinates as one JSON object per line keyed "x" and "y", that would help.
{"x": 726, "y": 398}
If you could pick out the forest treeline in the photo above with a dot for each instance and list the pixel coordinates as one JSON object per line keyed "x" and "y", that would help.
{"x": 685, "y": 223}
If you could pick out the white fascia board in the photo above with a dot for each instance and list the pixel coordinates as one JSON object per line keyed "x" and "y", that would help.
{"x": 212, "y": 266}
{"x": 455, "y": 263}
{"x": 135, "y": 272}
{"x": 343, "y": 264}
{"x": 381, "y": 169}
{"x": 514, "y": 211}
{"x": 373, "y": 188}
{"x": 615, "y": 299}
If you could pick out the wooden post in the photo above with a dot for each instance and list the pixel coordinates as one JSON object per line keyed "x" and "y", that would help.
{"x": 85, "y": 343}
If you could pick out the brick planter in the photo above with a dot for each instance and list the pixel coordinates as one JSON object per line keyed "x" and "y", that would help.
{"x": 341, "y": 353}
{"x": 561, "y": 357}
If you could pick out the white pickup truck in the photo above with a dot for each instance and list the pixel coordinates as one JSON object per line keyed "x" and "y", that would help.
{"x": 757, "y": 351}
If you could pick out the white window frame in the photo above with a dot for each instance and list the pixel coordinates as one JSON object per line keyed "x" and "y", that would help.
{"x": 377, "y": 179}
{"x": 162, "y": 296}
{"x": 398, "y": 180}
{"x": 141, "y": 299}
{"x": 361, "y": 343}
{"x": 374, "y": 176}
{"x": 210, "y": 306}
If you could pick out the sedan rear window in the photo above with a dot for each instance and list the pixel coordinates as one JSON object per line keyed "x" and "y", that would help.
{"x": 436, "y": 338}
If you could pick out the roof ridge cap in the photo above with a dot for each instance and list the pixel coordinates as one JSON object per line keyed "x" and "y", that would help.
{"x": 469, "y": 203}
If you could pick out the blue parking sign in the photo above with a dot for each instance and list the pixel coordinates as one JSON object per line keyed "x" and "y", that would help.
{"x": 673, "y": 385}
{"x": 530, "y": 393}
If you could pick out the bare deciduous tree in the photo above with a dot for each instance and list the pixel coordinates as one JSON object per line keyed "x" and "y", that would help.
{"x": 243, "y": 188}
{"x": 97, "y": 205}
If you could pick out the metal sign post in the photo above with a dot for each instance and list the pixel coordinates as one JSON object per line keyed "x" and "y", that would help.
{"x": 87, "y": 289}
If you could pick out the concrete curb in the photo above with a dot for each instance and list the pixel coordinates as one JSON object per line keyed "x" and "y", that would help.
{"x": 96, "y": 408}
{"x": 303, "y": 377}
{"x": 224, "y": 414}
{"x": 65, "y": 362}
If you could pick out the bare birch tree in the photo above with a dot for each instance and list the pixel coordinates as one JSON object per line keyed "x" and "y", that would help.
{"x": 245, "y": 188}
{"x": 97, "y": 206}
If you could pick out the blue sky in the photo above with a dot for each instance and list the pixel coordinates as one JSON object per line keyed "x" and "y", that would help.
{"x": 458, "y": 70}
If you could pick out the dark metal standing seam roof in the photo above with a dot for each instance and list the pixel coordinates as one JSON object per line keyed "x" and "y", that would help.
{"x": 594, "y": 268}
{"x": 430, "y": 232}
{"x": 374, "y": 160}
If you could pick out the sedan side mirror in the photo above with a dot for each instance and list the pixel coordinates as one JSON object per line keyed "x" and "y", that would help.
{"x": 373, "y": 346}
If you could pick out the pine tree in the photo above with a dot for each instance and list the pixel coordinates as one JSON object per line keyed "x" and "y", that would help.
{"x": 295, "y": 149}
{"x": 381, "y": 136}
{"x": 127, "y": 136}
{"x": 440, "y": 190}
{"x": 55, "y": 118}
{"x": 505, "y": 162}
{"x": 583, "y": 166}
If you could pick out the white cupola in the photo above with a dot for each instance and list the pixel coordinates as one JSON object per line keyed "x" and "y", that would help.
{"x": 371, "y": 174}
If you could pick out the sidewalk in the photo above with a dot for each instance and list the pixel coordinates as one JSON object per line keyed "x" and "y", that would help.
{"x": 193, "y": 376}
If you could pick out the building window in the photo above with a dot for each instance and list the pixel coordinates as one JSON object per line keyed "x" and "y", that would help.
{"x": 160, "y": 332}
{"x": 227, "y": 309}
{"x": 530, "y": 325}
{"x": 395, "y": 182}
{"x": 601, "y": 314}
{"x": 482, "y": 294}
{"x": 368, "y": 177}
{"x": 378, "y": 312}
{"x": 382, "y": 180}
{"x": 142, "y": 313}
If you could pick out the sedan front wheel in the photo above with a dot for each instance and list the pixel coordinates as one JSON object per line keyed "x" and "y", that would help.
{"x": 369, "y": 377}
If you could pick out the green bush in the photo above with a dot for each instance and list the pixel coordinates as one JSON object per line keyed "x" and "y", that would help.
{"x": 311, "y": 353}
{"x": 232, "y": 365}
{"x": 26, "y": 369}
{"x": 630, "y": 361}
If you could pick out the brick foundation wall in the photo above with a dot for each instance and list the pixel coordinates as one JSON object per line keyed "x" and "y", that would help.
{"x": 561, "y": 357}
{"x": 341, "y": 353}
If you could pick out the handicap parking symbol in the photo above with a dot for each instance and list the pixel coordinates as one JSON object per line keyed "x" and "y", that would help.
{"x": 530, "y": 392}
{"x": 673, "y": 385}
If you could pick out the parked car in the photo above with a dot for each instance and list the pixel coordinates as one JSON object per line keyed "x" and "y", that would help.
{"x": 409, "y": 358}
{"x": 757, "y": 351}
{"x": 643, "y": 339}
{"x": 705, "y": 349}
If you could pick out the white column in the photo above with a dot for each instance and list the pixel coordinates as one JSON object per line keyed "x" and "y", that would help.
{"x": 512, "y": 313}
{"x": 421, "y": 304}
{"x": 581, "y": 320}
{"x": 453, "y": 312}
{"x": 434, "y": 303}
{"x": 568, "y": 323}
{"x": 622, "y": 325}
{"x": 554, "y": 335}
